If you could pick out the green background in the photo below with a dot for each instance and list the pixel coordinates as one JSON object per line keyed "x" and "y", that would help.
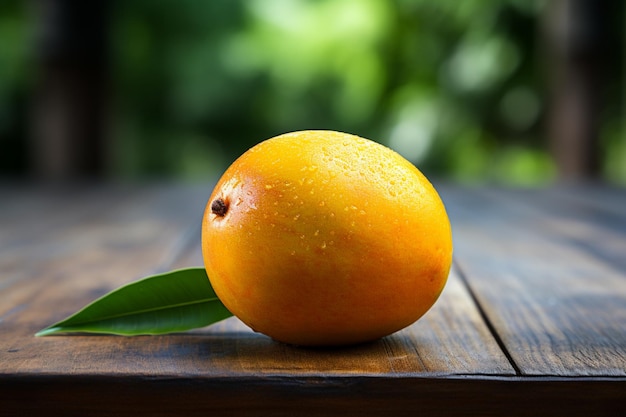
{"x": 457, "y": 87}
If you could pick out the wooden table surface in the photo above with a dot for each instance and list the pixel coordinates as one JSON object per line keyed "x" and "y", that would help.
{"x": 531, "y": 322}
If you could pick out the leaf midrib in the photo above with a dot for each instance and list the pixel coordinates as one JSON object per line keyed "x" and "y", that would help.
{"x": 137, "y": 312}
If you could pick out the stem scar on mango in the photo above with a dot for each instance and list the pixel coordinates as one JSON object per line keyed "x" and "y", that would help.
{"x": 219, "y": 207}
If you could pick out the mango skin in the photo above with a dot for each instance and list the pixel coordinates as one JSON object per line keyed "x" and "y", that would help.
{"x": 322, "y": 238}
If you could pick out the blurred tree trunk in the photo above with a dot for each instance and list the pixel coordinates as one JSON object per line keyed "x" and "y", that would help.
{"x": 68, "y": 123}
{"x": 577, "y": 34}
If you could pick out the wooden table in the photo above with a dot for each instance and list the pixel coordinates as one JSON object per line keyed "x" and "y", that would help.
{"x": 532, "y": 320}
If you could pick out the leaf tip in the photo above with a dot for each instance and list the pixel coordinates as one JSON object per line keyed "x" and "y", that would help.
{"x": 47, "y": 331}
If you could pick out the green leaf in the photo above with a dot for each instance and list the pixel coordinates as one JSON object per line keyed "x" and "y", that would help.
{"x": 171, "y": 302}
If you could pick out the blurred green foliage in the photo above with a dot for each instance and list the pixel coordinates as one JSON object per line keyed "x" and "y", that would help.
{"x": 454, "y": 86}
{"x": 15, "y": 77}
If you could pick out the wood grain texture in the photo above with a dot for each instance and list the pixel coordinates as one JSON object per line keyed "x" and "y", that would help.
{"x": 150, "y": 230}
{"x": 558, "y": 307}
{"x": 115, "y": 239}
{"x": 531, "y": 321}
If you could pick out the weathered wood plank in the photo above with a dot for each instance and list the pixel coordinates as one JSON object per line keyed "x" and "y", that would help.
{"x": 606, "y": 197}
{"x": 592, "y": 218}
{"x": 72, "y": 264}
{"x": 138, "y": 237}
{"x": 37, "y": 224}
{"x": 557, "y": 308}
{"x": 554, "y": 305}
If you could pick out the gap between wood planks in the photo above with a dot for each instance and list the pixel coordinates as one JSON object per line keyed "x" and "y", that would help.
{"x": 486, "y": 319}
{"x": 563, "y": 343}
